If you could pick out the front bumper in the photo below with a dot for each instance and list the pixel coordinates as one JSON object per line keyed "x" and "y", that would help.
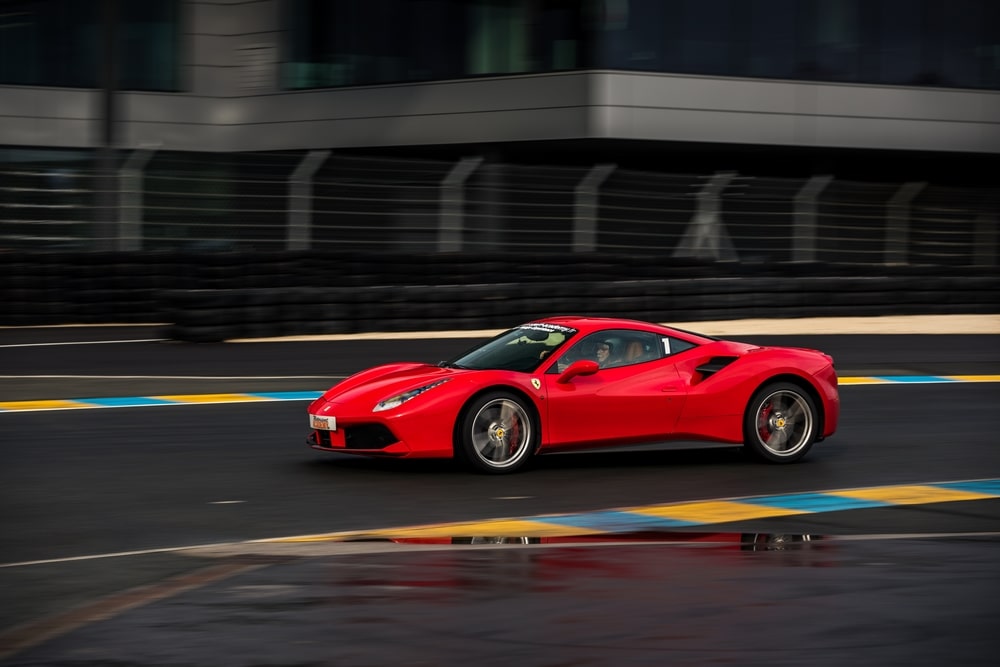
{"x": 372, "y": 439}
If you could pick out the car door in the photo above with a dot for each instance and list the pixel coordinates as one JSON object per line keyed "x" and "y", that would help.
{"x": 634, "y": 400}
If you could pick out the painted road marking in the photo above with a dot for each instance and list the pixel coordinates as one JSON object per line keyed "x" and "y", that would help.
{"x": 87, "y": 342}
{"x": 24, "y": 406}
{"x": 625, "y": 520}
{"x": 172, "y": 377}
{"x": 720, "y": 511}
{"x": 915, "y": 495}
{"x": 917, "y": 379}
{"x": 156, "y": 401}
{"x": 680, "y": 515}
{"x": 202, "y": 399}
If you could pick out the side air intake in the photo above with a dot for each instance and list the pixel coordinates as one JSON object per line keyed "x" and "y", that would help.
{"x": 714, "y": 365}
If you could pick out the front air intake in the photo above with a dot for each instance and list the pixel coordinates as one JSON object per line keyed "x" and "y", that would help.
{"x": 368, "y": 436}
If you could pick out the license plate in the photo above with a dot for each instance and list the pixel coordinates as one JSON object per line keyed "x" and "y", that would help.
{"x": 323, "y": 423}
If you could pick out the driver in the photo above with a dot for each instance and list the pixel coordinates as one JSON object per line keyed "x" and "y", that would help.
{"x": 604, "y": 354}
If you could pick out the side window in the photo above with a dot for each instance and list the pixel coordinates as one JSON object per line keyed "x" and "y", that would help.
{"x": 588, "y": 347}
{"x": 613, "y": 348}
{"x": 673, "y": 345}
{"x": 638, "y": 347}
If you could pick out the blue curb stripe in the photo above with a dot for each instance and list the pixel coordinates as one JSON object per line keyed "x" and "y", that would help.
{"x": 623, "y": 521}
{"x": 814, "y": 502}
{"x": 989, "y": 487}
{"x": 914, "y": 379}
{"x": 205, "y": 399}
{"x": 612, "y": 522}
{"x": 697, "y": 512}
{"x": 288, "y": 395}
{"x": 134, "y": 401}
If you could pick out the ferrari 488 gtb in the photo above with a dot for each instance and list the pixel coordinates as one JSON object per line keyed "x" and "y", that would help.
{"x": 568, "y": 383}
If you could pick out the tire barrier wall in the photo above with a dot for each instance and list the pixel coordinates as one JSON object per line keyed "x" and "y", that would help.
{"x": 216, "y": 296}
{"x": 215, "y": 315}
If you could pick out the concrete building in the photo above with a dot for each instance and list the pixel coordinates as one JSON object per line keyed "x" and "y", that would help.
{"x": 269, "y": 75}
{"x": 881, "y": 90}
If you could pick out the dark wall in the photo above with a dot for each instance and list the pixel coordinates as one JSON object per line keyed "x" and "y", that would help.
{"x": 227, "y": 295}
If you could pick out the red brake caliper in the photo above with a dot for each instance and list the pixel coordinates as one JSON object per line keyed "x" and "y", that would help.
{"x": 762, "y": 422}
{"x": 514, "y": 435}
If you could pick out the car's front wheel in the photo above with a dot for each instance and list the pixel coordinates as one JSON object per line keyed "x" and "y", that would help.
{"x": 497, "y": 433}
{"x": 781, "y": 423}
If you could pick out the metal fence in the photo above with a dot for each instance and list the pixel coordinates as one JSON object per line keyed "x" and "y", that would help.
{"x": 324, "y": 201}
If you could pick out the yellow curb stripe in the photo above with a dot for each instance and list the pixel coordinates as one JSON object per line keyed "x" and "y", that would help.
{"x": 491, "y": 528}
{"x": 195, "y": 399}
{"x": 911, "y": 495}
{"x": 861, "y": 380}
{"x": 719, "y": 511}
{"x": 686, "y": 514}
{"x": 210, "y": 398}
{"x": 44, "y": 405}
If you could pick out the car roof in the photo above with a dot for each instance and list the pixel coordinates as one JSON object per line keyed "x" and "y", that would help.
{"x": 589, "y": 324}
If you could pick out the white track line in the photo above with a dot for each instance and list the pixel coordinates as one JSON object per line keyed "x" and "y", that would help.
{"x": 170, "y": 377}
{"x": 88, "y": 342}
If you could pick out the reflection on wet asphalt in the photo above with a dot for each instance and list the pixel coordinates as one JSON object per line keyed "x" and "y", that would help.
{"x": 818, "y": 602}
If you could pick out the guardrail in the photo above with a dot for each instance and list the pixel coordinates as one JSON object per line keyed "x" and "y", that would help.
{"x": 318, "y": 201}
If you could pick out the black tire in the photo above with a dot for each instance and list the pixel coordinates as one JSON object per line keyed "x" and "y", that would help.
{"x": 497, "y": 433}
{"x": 781, "y": 423}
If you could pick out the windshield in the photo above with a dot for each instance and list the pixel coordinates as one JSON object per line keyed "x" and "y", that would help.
{"x": 522, "y": 348}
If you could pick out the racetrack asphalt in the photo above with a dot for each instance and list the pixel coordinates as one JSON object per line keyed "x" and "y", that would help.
{"x": 885, "y": 585}
{"x": 72, "y": 361}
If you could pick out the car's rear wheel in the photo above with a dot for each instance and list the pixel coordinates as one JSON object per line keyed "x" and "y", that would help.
{"x": 781, "y": 423}
{"x": 497, "y": 433}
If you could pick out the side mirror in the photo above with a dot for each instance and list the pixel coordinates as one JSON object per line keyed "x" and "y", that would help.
{"x": 581, "y": 367}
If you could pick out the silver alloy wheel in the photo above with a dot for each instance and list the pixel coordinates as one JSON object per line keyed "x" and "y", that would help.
{"x": 501, "y": 433}
{"x": 784, "y": 423}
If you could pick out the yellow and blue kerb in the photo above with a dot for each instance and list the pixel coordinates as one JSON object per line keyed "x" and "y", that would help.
{"x": 206, "y": 399}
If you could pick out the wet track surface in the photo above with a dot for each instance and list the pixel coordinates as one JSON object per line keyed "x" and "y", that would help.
{"x": 913, "y": 584}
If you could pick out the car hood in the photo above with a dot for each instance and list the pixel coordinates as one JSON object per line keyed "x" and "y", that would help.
{"x": 381, "y": 382}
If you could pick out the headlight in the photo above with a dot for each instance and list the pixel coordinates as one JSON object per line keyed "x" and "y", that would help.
{"x": 399, "y": 399}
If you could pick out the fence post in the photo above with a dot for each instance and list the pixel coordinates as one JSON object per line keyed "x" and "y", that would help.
{"x": 107, "y": 181}
{"x": 804, "y": 243}
{"x": 451, "y": 215}
{"x": 585, "y": 211}
{"x": 897, "y": 224}
{"x": 130, "y": 206}
{"x": 705, "y": 237}
{"x": 300, "y": 189}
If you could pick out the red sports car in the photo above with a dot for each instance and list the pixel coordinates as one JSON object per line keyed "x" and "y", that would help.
{"x": 568, "y": 383}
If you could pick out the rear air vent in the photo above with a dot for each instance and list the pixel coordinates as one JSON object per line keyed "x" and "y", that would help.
{"x": 714, "y": 365}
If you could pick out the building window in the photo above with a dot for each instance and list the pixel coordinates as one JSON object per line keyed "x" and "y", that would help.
{"x": 352, "y": 42}
{"x": 893, "y": 53}
{"x": 831, "y": 40}
{"x": 497, "y": 41}
{"x": 765, "y": 40}
{"x": 950, "y": 56}
{"x": 899, "y": 42}
{"x": 49, "y": 43}
{"x": 346, "y": 42}
{"x": 61, "y": 43}
{"x": 149, "y": 40}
